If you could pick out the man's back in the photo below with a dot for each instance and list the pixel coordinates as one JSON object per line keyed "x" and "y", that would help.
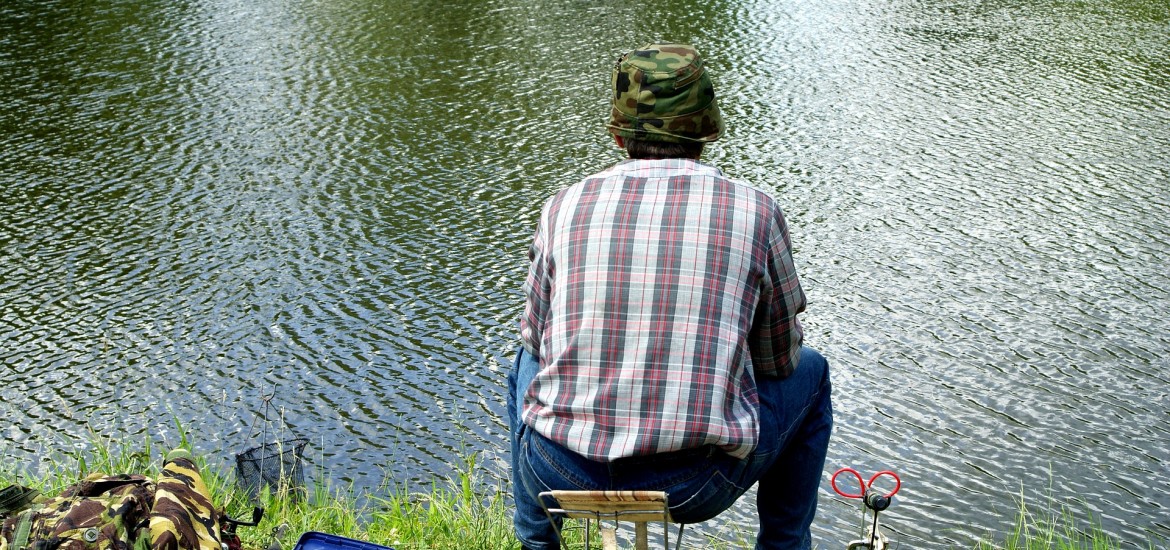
{"x": 644, "y": 291}
{"x": 660, "y": 345}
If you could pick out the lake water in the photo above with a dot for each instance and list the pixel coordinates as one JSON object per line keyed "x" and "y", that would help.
{"x": 273, "y": 218}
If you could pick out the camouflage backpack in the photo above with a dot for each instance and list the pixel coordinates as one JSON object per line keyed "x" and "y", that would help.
{"x": 121, "y": 512}
{"x": 102, "y": 512}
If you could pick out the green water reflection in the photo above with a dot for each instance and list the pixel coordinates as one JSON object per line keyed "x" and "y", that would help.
{"x": 203, "y": 203}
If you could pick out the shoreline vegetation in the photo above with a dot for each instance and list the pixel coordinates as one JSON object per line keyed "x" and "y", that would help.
{"x": 457, "y": 512}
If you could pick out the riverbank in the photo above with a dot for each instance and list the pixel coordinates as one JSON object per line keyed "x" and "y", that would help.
{"x": 458, "y": 512}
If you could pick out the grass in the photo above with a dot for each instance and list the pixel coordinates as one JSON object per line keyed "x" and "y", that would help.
{"x": 458, "y": 512}
{"x": 1052, "y": 529}
{"x": 451, "y": 515}
{"x": 454, "y": 513}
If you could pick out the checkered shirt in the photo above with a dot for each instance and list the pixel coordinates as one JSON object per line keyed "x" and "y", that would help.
{"x": 658, "y": 291}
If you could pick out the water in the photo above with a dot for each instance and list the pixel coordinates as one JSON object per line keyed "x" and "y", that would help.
{"x": 316, "y": 214}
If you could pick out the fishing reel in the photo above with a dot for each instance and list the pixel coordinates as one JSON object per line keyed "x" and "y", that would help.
{"x": 877, "y": 501}
{"x": 228, "y": 538}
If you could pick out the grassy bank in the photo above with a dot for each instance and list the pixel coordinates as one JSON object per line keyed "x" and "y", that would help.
{"x": 451, "y": 514}
{"x": 459, "y": 512}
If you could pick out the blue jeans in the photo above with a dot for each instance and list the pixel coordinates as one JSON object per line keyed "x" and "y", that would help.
{"x": 796, "y": 418}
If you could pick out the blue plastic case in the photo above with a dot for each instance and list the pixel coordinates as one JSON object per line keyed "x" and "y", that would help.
{"x": 324, "y": 541}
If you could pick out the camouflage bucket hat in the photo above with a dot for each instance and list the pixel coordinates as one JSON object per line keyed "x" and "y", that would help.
{"x": 661, "y": 92}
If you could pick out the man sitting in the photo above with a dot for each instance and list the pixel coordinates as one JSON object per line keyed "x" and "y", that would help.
{"x": 661, "y": 348}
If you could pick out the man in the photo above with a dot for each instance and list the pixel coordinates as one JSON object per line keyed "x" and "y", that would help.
{"x": 660, "y": 344}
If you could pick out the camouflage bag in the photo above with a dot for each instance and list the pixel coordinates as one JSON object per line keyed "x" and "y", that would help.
{"x": 120, "y": 512}
{"x": 183, "y": 517}
{"x": 102, "y": 512}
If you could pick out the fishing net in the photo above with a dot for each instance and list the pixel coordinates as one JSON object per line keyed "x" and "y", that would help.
{"x": 277, "y": 466}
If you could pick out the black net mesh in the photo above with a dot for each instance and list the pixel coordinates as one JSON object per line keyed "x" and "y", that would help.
{"x": 277, "y": 466}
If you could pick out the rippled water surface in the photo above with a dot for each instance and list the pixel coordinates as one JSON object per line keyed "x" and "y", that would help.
{"x": 207, "y": 206}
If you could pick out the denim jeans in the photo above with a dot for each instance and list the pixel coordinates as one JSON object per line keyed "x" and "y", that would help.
{"x": 796, "y": 419}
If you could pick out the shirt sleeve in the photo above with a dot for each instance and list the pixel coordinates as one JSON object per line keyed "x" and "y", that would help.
{"x": 536, "y": 292}
{"x": 777, "y": 335}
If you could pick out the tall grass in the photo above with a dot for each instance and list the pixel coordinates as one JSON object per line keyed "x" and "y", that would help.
{"x": 452, "y": 514}
{"x": 458, "y": 512}
{"x": 1053, "y": 528}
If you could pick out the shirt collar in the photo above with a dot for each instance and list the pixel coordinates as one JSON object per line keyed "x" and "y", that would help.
{"x": 664, "y": 165}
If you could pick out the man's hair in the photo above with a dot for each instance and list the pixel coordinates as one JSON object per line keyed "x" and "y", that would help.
{"x": 646, "y": 149}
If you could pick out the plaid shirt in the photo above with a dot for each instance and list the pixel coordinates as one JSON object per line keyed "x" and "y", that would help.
{"x": 658, "y": 291}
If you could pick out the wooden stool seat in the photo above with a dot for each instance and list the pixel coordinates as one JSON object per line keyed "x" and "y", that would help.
{"x": 637, "y": 507}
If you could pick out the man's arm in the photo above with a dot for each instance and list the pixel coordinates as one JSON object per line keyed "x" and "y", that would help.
{"x": 536, "y": 292}
{"x": 777, "y": 335}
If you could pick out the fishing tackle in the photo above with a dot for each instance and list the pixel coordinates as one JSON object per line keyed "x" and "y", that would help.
{"x": 872, "y": 537}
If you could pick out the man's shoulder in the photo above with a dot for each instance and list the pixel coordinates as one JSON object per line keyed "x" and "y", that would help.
{"x": 656, "y": 169}
{"x": 731, "y": 185}
{"x": 672, "y": 170}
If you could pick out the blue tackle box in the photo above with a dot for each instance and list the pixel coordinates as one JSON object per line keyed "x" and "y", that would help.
{"x": 324, "y": 541}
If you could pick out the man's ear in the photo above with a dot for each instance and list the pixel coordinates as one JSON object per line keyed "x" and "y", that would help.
{"x": 621, "y": 143}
